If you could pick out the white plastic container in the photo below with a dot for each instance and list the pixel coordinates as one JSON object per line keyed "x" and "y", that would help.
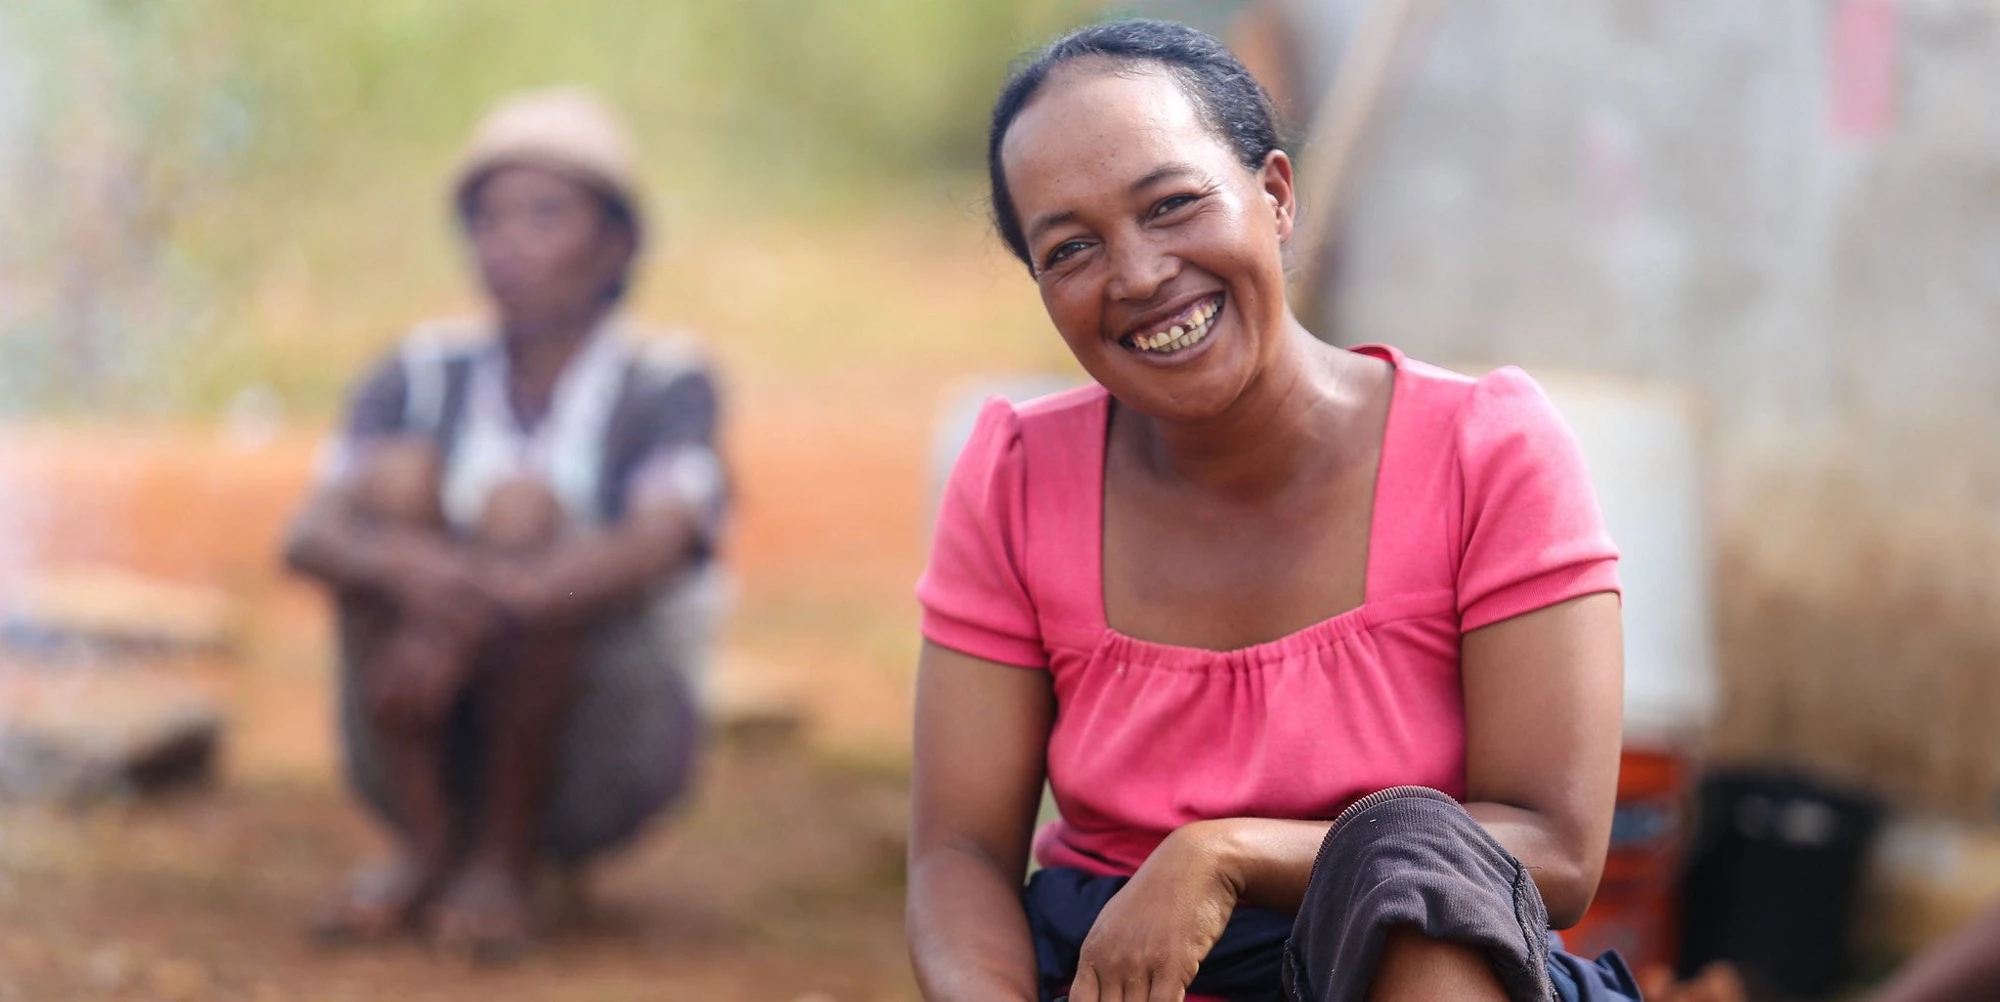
{"x": 1640, "y": 440}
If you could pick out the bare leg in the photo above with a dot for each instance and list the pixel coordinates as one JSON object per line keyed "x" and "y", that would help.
{"x": 526, "y": 688}
{"x": 399, "y": 486}
{"x": 1416, "y": 968}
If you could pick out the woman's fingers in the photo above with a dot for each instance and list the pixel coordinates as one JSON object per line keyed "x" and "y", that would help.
{"x": 1138, "y": 986}
{"x": 1096, "y": 983}
{"x": 1127, "y": 982}
{"x": 1110, "y": 986}
{"x": 1084, "y": 987}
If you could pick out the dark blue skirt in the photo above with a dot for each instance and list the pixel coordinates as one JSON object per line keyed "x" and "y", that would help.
{"x": 1416, "y": 858}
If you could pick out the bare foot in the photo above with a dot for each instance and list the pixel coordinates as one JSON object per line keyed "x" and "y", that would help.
{"x": 381, "y": 899}
{"x": 485, "y": 914}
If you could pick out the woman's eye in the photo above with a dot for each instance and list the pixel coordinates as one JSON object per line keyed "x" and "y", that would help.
{"x": 1172, "y": 202}
{"x": 1061, "y": 252}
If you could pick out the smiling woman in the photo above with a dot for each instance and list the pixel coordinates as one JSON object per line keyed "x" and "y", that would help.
{"x": 1318, "y": 649}
{"x": 1083, "y": 141}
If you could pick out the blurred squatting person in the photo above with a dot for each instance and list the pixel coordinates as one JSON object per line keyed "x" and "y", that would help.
{"x": 519, "y": 525}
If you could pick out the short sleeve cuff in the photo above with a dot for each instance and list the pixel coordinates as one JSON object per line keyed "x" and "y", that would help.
{"x": 981, "y": 642}
{"x": 1541, "y": 591}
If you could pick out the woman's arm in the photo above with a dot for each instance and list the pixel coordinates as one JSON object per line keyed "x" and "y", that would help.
{"x": 982, "y": 738}
{"x": 330, "y": 542}
{"x": 425, "y": 570}
{"x": 1544, "y": 712}
{"x": 575, "y": 577}
{"x": 584, "y": 573}
{"x": 1543, "y": 704}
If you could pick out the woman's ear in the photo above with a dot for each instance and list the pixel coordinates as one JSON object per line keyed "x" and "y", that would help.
{"x": 1275, "y": 177}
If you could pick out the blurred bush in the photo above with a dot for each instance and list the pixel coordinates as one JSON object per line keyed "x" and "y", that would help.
{"x": 175, "y": 175}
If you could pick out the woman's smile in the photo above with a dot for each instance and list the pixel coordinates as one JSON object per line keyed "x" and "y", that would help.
{"x": 1175, "y": 338}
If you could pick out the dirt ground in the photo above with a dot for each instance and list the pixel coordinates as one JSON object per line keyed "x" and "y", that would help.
{"x": 781, "y": 880}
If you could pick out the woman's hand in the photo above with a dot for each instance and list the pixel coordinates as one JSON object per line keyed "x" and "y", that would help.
{"x": 440, "y": 584}
{"x": 1153, "y": 935}
{"x": 518, "y": 587}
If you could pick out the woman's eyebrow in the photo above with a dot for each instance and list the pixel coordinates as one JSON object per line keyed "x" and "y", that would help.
{"x": 1162, "y": 173}
{"x": 1042, "y": 224}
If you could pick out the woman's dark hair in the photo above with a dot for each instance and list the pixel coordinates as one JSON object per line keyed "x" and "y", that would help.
{"x": 1227, "y": 96}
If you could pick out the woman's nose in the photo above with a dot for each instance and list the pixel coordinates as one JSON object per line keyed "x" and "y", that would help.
{"x": 1138, "y": 269}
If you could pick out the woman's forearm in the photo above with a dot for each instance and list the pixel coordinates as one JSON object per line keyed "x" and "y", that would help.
{"x": 1268, "y": 861}
{"x": 969, "y": 937}
{"x": 583, "y": 575}
{"x": 1565, "y": 873}
{"x": 1271, "y": 861}
{"x": 329, "y": 544}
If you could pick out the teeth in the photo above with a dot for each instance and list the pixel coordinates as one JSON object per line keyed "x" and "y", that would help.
{"x": 1181, "y": 335}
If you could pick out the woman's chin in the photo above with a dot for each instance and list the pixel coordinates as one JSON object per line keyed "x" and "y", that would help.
{"x": 1180, "y": 401}
{"x": 539, "y": 314}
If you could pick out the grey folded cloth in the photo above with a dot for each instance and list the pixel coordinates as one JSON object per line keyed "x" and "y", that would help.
{"x": 1412, "y": 856}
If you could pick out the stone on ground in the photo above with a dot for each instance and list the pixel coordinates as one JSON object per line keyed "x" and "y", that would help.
{"x": 79, "y": 735}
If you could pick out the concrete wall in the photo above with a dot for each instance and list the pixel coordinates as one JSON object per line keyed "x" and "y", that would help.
{"x": 1677, "y": 190}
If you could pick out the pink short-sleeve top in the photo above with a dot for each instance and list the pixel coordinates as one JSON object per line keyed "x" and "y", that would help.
{"x": 1483, "y": 511}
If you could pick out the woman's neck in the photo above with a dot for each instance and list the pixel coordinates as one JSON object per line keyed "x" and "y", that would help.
{"x": 1289, "y": 421}
{"x": 538, "y": 352}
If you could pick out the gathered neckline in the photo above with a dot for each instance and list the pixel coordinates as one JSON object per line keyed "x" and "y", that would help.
{"x": 1331, "y": 629}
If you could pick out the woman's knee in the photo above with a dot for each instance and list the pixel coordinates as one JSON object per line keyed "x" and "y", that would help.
{"x": 398, "y": 714}
{"x": 1416, "y": 872}
{"x": 521, "y": 514}
{"x": 398, "y": 481}
{"x": 1416, "y": 967}
{"x": 406, "y": 689}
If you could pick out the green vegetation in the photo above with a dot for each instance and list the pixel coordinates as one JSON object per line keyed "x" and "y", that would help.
{"x": 203, "y": 194}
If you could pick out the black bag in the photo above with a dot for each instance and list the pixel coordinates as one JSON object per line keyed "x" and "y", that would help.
{"x": 1773, "y": 879}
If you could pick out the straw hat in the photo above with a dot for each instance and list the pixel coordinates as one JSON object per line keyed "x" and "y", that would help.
{"x": 567, "y": 130}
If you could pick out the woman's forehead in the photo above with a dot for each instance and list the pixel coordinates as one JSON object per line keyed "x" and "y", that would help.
{"x": 1088, "y": 129}
{"x": 529, "y": 180}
